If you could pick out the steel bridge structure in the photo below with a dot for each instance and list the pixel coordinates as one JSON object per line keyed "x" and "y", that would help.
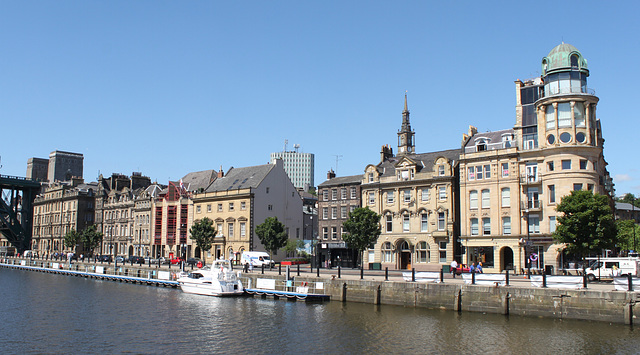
{"x": 16, "y": 210}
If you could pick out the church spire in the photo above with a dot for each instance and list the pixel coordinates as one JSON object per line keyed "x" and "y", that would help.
{"x": 405, "y": 134}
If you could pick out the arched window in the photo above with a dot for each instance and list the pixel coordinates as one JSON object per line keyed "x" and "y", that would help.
{"x": 481, "y": 145}
{"x": 386, "y": 252}
{"x": 574, "y": 61}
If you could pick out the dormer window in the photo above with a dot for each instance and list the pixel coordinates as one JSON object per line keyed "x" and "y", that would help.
{"x": 506, "y": 140}
{"x": 441, "y": 170}
{"x": 370, "y": 177}
{"x": 481, "y": 145}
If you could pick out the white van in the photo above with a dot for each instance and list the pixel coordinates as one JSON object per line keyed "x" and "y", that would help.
{"x": 256, "y": 258}
{"x": 611, "y": 267}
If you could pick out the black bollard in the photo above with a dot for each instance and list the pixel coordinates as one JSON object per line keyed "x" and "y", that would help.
{"x": 361, "y": 273}
{"x": 473, "y": 278}
{"x": 544, "y": 280}
{"x": 506, "y": 276}
{"x": 339, "y": 271}
{"x": 413, "y": 274}
{"x": 630, "y": 282}
{"x": 262, "y": 267}
{"x": 442, "y": 275}
{"x": 318, "y": 271}
{"x": 386, "y": 274}
{"x": 280, "y": 269}
{"x": 298, "y": 269}
{"x": 288, "y": 272}
{"x": 584, "y": 277}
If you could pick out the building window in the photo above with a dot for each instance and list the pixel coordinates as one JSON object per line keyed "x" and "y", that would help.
{"x": 334, "y": 212}
{"x": 578, "y": 114}
{"x": 219, "y": 207}
{"x": 590, "y": 187}
{"x": 343, "y": 193}
{"x": 325, "y": 212}
{"x": 442, "y": 193}
{"x": 386, "y": 252}
{"x": 353, "y": 193}
{"x": 243, "y": 229}
{"x": 564, "y": 114}
{"x": 370, "y": 177}
{"x": 566, "y": 164}
{"x": 390, "y": 197}
{"x": 577, "y": 187}
{"x": 552, "y": 194}
{"x": 405, "y": 222}
{"x": 343, "y": 212}
{"x": 441, "y": 170}
{"x": 550, "y": 117}
{"x": 534, "y": 223}
{"x": 334, "y": 233}
{"x": 231, "y": 206}
{"x": 506, "y": 225}
{"x": 325, "y": 233}
{"x": 441, "y": 221}
{"x": 334, "y": 194}
{"x": 479, "y": 173}
{"x": 389, "y": 223}
{"x": 505, "y": 169}
{"x": 473, "y": 199}
{"x": 208, "y": 208}
{"x": 487, "y": 171}
{"x": 267, "y": 190}
{"x": 424, "y": 222}
{"x": 552, "y": 224}
{"x": 372, "y": 198}
{"x": 325, "y": 195}
{"x": 407, "y": 196}
{"x": 550, "y": 166}
{"x": 423, "y": 252}
{"x": 270, "y": 207}
{"x": 486, "y": 226}
{"x": 198, "y": 209}
{"x": 583, "y": 164}
{"x": 472, "y": 173}
{"x": 486, "y": 199}
{"x": 352, "y": 208}
{"x": 425, "y": 195}
{"x": 506, "y": 197}
{"x": 443, "y": 251}
{"x": 243, "y": 205}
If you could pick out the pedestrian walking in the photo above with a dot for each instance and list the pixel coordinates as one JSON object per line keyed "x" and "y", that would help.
{"x": 479, "y": 268}
{"x": 472, "y": 268}
{"x": 454, "y": 266}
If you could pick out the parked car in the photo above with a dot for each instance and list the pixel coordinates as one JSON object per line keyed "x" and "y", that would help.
{"x": 193, "y": 261}
{"x": 119, "y": 259}
{"x": 162, "y": 260}
{"x": 135, "y": 259}
{"x": 462, "y": 268}
{"x": 176, "y": 260}
{"x": 148, "y": 259}
{"x": 105, "y": 258}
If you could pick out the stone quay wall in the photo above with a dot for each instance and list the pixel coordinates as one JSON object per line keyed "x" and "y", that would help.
{"x": 593, "y": 305}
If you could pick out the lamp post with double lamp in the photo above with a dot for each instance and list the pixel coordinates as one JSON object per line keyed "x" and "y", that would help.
{"x": 527, "y": 245}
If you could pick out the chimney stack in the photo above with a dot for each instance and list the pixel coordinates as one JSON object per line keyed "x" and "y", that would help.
{"x": 330, "y": 174}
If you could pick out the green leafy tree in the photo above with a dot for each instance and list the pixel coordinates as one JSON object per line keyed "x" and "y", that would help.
{"x": 203, "y": 233}
{"x": 363, "y": 229}
{"x": 628, "y": 232}
{"x": 272, "y": 234}
{"x": 71, "y": 239}
{"x": 91, "y": 238}
{"x": 586, "y": 226}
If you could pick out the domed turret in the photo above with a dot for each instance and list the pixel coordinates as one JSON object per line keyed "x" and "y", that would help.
{"x": 564, "y": 57}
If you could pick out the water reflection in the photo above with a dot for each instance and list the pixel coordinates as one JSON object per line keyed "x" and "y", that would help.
{"x": 60, "y": 314}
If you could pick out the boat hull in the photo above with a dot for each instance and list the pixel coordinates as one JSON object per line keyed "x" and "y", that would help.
{"x": 212, "y": 288}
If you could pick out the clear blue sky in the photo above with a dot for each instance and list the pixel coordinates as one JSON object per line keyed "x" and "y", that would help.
{"x": 171, "y": 87}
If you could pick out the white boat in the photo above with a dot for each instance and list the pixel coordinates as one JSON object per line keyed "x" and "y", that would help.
{"x": 216, "y": 280}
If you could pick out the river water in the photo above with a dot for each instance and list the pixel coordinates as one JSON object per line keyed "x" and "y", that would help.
{"x": 44, "y": 313}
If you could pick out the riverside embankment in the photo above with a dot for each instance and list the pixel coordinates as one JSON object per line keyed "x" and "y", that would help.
{"x": 599, "y": 302}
